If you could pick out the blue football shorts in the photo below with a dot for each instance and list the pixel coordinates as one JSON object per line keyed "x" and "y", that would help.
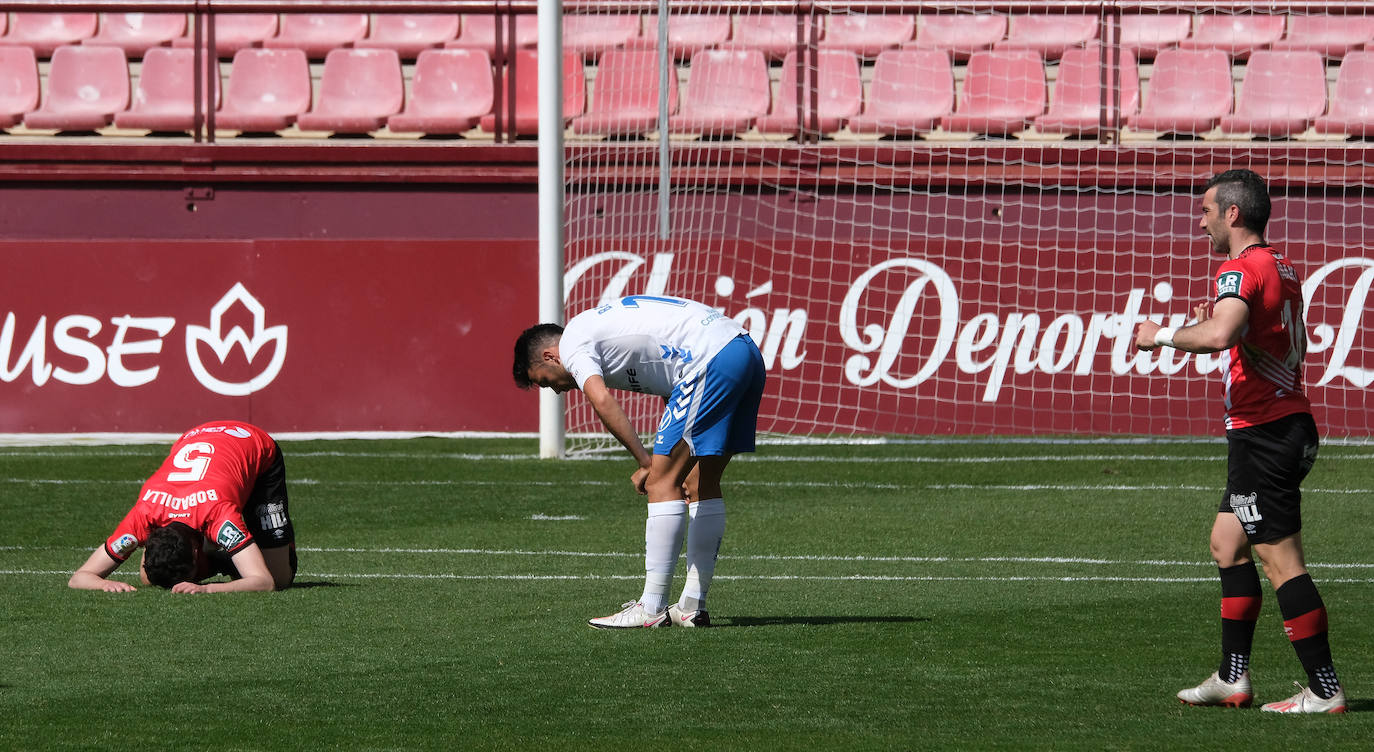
{"x": 716, "y": 412}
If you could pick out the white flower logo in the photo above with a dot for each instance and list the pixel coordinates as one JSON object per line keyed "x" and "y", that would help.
{"x": 222, "y": 342}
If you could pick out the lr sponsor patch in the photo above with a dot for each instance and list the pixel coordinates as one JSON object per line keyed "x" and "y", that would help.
{"x": 1228, "y": 283}
{"x": 229, "y": 536}
{"x": 125, "y": 545}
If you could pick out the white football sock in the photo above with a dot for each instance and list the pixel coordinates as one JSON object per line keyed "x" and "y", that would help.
{"x": 703, "y": 545}
{"x": 662, "y": 541}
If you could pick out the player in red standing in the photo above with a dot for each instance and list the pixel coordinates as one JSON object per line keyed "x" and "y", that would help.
{"x": 1257, "y": 319}
{"x": 223, "y": 482}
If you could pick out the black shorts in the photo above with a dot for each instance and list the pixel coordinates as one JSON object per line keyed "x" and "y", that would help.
{"x": 267, "y": 514}
{"x": 1264, "y": 471}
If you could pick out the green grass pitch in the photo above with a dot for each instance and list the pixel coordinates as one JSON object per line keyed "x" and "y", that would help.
{"x": 961, "y": 595}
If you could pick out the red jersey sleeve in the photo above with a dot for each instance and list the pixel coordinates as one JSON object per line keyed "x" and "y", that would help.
{"x": 1235, "y": 280}
{"x": 131, "y": 532}
{"x": 226, "y": 529}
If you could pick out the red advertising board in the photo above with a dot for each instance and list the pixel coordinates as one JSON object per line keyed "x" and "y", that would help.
{"x": 296, "y": 335}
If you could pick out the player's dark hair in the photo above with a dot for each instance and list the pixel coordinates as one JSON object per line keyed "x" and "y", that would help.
{"x": 1246, "y": 191}
{"x": 169, "y": 555}
{"x": 527, "y": 347}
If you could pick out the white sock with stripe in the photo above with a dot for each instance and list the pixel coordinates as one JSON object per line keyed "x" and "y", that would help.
{"x": 663, "y": 532}
{"x": 703, "y": 546}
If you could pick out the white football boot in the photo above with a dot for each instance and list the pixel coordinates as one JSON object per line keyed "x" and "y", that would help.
{"x": 1214, "y": 691}
{"x": 1307, "y": 701}
{"x": 633, "y": 616}
{"x": 682, "y": 618}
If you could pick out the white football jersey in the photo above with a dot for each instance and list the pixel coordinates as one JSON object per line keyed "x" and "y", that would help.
{"x": 645, "y": 343}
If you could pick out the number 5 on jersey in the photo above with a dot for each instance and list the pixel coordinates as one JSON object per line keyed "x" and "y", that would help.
{"x": 194, "y": 461}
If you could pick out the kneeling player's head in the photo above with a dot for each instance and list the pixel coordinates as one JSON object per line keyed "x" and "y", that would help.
{"x": 527, "y": 348}
{"x": 169, "y": 555}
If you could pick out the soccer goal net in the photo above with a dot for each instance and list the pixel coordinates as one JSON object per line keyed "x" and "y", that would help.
{"x": 947, "y": 218}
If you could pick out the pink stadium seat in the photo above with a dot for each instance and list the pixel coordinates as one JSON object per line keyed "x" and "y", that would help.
{"x": 625, "y": 98}
{"x": 1283, "y": 92}
{"x": 1049, "y": 36}
{"x": 479, "y": 31}
{"x": 1190, "y": 92}
{"x": 359, "y": 90}
{"x": 86, "y": 87}
{"x": 1352, "y": 102}
{"x": 961, "y": 35}
{"x": 687, "y": 33}
{"x": 774, "y": 34}
{"x": 449, "y": 93}
{"x": 1003, "y": 91}
{"x": 1147, "y": 34}
{"x": 867, "y": 35}
{"x": 136, "y": 32}
{"x": 45, "y": 32}
{"x": 18, "y": 84}
{"x": 911, "y": 90}
{"x": 235, "y": 31}
{"x": 267, "y": 90}
{"x": 837, "y": 86}
{"x": 1076, "y": 106}
{"x": 526, "y": 121}
{"x": 1235, "y": 35}
{"x": 591, "y": 35}
{"x": 410, "y": 34}
{"x": 318, "y": 33}
{"x": 1332, "y": 36}
{"x": 726, "y": 91}
{"x": 164, "y": 100}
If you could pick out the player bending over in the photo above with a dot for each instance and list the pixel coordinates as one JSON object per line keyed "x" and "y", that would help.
{"x": 711, "y": 375}
{"x": 1256, "y": 318}
{"x": 223, "y": 482}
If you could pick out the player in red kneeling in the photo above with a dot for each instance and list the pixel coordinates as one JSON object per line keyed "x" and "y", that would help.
{"x": 1257, "y": 319}
{"x": 222, "y": 486}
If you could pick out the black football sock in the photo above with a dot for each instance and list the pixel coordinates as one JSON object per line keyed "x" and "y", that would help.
{"x": 1241, "y": 597}
{"x": 1304, "y": 620}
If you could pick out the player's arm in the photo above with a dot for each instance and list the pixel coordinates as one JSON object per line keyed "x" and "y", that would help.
{"x": 1217, "y": 329}
{"x": 253, "y": 575}
{"x": 615, "y": 420}
{"x": 94, "y": 573}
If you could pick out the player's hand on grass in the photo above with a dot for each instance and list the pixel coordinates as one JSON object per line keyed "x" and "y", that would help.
{"x": 188, "y": 587}
{"x": 115, "y": 586}
{"x": 638, "y": 478}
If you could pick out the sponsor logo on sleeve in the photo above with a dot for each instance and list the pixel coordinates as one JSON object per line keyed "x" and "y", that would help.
{"x": 229, "y": 536}
{"x": 1228, "y": 283}
{"x": 125, "y": 545}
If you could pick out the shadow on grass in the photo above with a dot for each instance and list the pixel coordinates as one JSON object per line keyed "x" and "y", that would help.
{"x": 813, "y": 621}
{"x": 1359, "y": 706}
{"x": 321, "y": 583}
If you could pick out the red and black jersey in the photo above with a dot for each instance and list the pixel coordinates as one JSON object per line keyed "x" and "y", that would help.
{"x": 1263, "y": 371}
{"x": 204, "y": 483}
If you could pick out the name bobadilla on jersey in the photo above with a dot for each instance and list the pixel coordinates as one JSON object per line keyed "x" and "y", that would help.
{"x": 162, "y": 498}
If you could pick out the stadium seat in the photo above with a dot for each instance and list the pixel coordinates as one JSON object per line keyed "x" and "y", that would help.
{"x": 526, "y": 120}
{"x": 911, "y": 90}
{"x": 960, "y": 35}
{"x": 267, "y": 90}
{"x": 317, "y": 34}
{"x": 45, "y": 32}
{"x": 409, "y": 35}
{"x": 1352, "y": 102}
{"x": 86, "y": 87}
{"x": 1049, "y": 36}
{"x": 687, "y": 33}
{"x": 726, "y": 91}
{"x": 235, "y": 31}
{"x": 1003, "y": 91}
{"x": 1237, "y": 36}
{"x": 592, "y": 34}
{"x": 838, "y": 88}
{"x": 479, "y": 31}
{"x": 1146, "y": 34}
{"x": 773, "y": 34}
{"x": 136, "y": 32}
{"x": 1282, "y": 93}
{"x": 625, "y": 98}
{"x": 450, "y": 91}
{"x": 1189, "y": 92}
{"x": 1332, "y": 36}
{"x": 165, "y": 97}
{"x": 359, "y": 90}
{"x": 18, "y": 84}
{"x": 867, "y": 35}
{"x": 4, "y": 23}
{"x": 1076, "y": 106}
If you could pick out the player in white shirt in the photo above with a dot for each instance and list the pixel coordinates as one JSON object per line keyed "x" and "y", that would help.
{"x": 711, "y": 376}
